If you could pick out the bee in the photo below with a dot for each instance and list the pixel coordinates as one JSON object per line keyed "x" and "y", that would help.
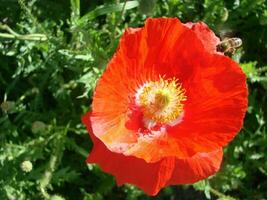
{"x": 229, "y": 45}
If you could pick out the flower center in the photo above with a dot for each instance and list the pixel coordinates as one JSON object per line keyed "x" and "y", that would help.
{"x": 162, "y": 101}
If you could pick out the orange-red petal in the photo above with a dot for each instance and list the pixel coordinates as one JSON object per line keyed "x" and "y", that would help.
{"x": 215, "y": 87}
{"x": 151, "y": 177}
{"x": 207, "y": 36}
{"x": 216, "y": 105}
{"x": 179, "y": 153}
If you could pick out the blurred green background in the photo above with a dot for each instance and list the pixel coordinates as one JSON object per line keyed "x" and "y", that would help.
{"x": 51, "y": 54}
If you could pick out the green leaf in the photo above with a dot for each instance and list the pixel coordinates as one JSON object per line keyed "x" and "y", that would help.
{"x": 75, "y": 10}
{"x": 146, "y": 6}
{"x": 203, "y": 186}
{"x": 64, "y": 175}
{"x": 105, "y": 9}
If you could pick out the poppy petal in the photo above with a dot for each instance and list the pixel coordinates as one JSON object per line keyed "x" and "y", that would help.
{"x": 216, "y": 105}
{"x": 196, "y": 168}
{"x": 153, "y": 154}
{"x": 215, "y": 87}
{"x": 151, "y": 177}
{"x": 207, "y": 36}
{"x": 138, "y": 48}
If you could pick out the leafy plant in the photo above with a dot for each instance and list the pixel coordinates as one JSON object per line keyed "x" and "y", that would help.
{"x": 52, "y": 53}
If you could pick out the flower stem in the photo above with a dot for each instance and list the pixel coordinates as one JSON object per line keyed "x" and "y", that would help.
{"x": 262, "y": 69}
{"x": 14, "y": 35}
{"x": 48, "y": 175}
{"x": 53, "y": 162}
{"x": 220, "y": 195}
{"x": 119, "y": 21}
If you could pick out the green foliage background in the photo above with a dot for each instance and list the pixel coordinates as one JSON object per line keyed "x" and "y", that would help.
{"x": 53, "y": 51}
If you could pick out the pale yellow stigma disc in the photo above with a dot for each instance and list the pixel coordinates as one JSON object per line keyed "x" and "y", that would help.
{"x": 162, "y": 101}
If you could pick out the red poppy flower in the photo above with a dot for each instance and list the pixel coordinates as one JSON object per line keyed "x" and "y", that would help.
{"x": 165, "y": 106}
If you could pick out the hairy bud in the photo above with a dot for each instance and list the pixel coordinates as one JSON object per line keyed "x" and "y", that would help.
{"x": 26, "y": 166}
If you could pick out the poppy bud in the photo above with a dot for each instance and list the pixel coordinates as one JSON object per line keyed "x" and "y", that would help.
{"x": 26, "y": 166}
{"x": 7, "y": 106}
{"x": 38, "y": 126}
{"x": 57, "y": 197}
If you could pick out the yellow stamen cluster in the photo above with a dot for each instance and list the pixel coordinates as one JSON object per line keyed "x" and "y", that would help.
{"x": 162, "y": 101}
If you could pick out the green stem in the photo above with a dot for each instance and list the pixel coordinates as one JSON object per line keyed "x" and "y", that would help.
{"x": 54, "y": 161}
{"x": 14, "y": 35}
{"x": 45, "y": 194}
{"x": 119, "y": 21}
{"x": 75, "y": 7}
{"x": 26, "y": 9}
{"x": 31, "y": 37}
{"x": 8, "y": 29}
{"x": 262, "y": 69}
{"x": 77, "y": 148}
{"x": 45, "y": 181}
{"x": 220, "y": 195}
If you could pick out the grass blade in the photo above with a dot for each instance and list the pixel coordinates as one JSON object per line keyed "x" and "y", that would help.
{"x": 102, "y": 10}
